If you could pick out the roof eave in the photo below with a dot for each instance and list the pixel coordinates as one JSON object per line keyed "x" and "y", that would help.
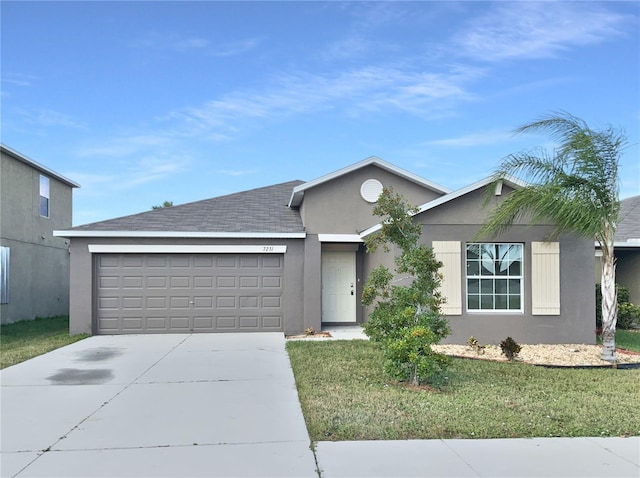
{"x": 40, "y": 167}
{"x": 509, "y": 180}
{"x": 623, "y": 245}
{"x": 298, "y": 192}
{"x": 181, "y": 234}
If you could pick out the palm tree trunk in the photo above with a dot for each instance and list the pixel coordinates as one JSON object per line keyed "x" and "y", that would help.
{"x": 609, "y": 305}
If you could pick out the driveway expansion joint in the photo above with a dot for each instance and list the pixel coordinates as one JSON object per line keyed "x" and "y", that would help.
{"x": 445, "y": 443}
{"x": 185, "y": 445}
{"x": 637, "y": 465}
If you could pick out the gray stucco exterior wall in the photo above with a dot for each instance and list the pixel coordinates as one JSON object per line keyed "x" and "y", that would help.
{"x": 576, "y": 322}
{"x": 461, "y": 220}
{"x": 39, "y": 262}
{"x": 312, "y": 276}
{"x": 627, "y": 271}
{"x": 336, "y": 207}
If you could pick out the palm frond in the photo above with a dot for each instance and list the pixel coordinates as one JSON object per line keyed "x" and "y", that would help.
{"x": 576, "y": 188}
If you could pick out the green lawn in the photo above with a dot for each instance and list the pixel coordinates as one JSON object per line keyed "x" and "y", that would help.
{"x": 23, "y": 340}
{"x": 628, "y": 339}
{"x": 345, "y": 396}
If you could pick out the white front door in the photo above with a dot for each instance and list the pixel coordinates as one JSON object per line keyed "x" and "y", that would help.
{"x": 338, "y": 286}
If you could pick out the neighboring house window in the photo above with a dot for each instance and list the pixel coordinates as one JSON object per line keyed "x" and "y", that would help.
{"x": 494, "y": 276}
{"x": 44, "y": 196}
{"x": 4, "y": 275}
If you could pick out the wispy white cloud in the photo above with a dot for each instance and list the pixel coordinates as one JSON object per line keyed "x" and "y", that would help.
{"x": 354, "y": 92}
{"x": 347, "y": 48}
{"x": 169, "y": 42}
{"x": 233, "y": 48}
{"x": 190, "y": 44}
{"x": 366, "y": 33}
{"x": 91, "y": 184}
{"x": 131, "y": 162}
{"x": 238, "y": 172}
{"x": 50, "y": 118}
{"x": 484, "y": 138}
{"x": 125, "y": 146}
{"x": 527, "y": 30}
{"x": 18, "y": 79}
{"x": 129, "y": 173}
{"x": 150, "y": 169}
{"x": 374, "y": 15}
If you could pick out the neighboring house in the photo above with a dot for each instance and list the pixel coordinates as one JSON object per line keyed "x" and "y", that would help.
{"x": 291, "y": 256}
{"x": 34, "y": 265}
{"x": 626, "y": 249}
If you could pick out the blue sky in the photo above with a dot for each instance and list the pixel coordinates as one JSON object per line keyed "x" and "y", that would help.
{"x": 142, "y": 102}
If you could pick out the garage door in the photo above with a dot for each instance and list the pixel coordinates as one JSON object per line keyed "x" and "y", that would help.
{"x": 183, "y": 293}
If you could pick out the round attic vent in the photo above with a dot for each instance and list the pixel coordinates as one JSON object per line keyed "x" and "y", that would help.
{"x": 371, "y": 190}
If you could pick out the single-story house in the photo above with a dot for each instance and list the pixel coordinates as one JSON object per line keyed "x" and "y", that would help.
{"x": 626, "y": 249}
{"x": 291, "y": 256}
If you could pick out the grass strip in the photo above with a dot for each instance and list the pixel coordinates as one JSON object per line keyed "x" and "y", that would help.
{"x": 26, "y": 339}
{"x": 345, "y": 396}
{"x": 628, "y": 339}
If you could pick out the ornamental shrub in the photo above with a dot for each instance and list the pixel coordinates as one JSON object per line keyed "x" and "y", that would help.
{"x": 406, "y": 320}
{"x": 627, "y": 314}
{"x": 476, "y": 346}
{"x": 510, "y": 348}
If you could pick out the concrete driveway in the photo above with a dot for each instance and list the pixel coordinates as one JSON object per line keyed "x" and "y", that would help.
{"x": 162, "y": 405}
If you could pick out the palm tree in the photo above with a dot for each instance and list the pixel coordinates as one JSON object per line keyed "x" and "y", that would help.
{"x": 577, "y": 188}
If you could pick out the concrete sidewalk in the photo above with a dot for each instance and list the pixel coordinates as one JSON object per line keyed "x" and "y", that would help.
{"x": 166, "y": 405}
{"x": 535, "y": 457}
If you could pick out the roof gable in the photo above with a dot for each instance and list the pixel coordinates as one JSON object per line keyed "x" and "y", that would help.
{"x": 298, "y": 192}
{"x": 509, "y": 180}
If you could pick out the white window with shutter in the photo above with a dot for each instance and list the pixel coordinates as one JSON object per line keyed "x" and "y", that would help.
{"x": 494, "y": 277}
{"x": 545, "y": 278}
{"x": 448, "y": 252}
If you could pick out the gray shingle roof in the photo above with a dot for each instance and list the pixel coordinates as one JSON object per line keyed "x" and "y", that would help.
{"x": 629, "y": 223}
{"x": 257, "y": 210}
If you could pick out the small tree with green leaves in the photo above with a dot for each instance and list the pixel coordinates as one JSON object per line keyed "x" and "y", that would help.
{"x": 164, "y": 204}
{"x": 406, "y": 320}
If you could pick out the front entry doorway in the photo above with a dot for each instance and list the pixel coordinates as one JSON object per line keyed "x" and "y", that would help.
{"x": 338, "y": 287}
